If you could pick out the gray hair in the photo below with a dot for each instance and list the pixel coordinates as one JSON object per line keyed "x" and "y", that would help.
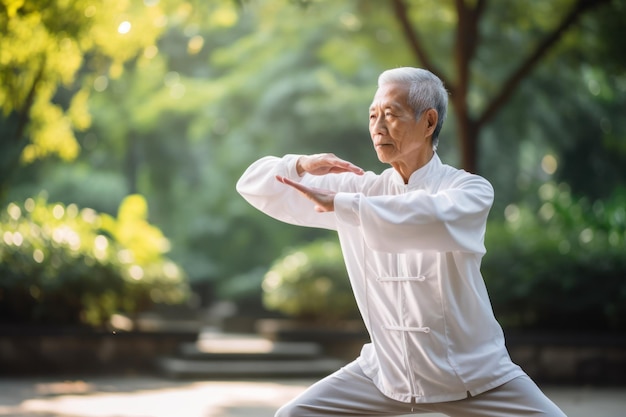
{"x": 426, "y": 91}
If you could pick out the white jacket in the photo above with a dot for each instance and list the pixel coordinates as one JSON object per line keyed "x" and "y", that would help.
{"x": 413, "y": 254}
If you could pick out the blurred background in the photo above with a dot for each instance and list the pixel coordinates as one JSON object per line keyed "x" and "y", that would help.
{"x": 126, "y": 124}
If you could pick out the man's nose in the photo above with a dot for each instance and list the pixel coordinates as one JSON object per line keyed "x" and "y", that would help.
{"x": 378, "y": 126}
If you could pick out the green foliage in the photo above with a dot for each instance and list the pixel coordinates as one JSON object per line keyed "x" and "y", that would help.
{"x": 558, "y": 268}
{"x": 62, "y": 265}
{"x": 310, "y": 282}
{"x": 43, "y": 46}
{"x": 177, "y": 107}
{"x": 561, "y": 267}
{"x": 260, "y": 96}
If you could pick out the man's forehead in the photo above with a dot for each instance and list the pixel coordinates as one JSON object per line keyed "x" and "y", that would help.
{"x": 388, "y": 103}
{"x": 390, "y": 96}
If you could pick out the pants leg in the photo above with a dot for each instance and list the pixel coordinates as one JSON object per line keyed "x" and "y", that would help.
{"x": 518, "y": 397}
{"x": 347, "y": 392}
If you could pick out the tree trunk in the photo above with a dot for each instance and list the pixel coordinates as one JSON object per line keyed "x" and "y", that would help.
{"x": 467, "y": 40}
{"x": 132, "y": 162}
{"x": 13, "y": 139}
{"x": 468, "y": 137}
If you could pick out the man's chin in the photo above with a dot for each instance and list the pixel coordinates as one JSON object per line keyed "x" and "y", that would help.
{"x": 382, "y": 156}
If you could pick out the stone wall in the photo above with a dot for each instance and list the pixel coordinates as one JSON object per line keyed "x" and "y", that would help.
{"x": 547, "y": 357}
{"x": 581, "y": 358}
{"x": 598, "y": 359}
{"x": 61, "y": 350}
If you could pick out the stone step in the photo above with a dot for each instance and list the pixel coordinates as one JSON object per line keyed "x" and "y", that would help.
{"x": 246, "y": 347}
{"x": 241, "y": 355}
{"x": 186, "y": 368}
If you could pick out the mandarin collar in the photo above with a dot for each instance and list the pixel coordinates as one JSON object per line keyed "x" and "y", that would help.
{"x": 421, "y": 174}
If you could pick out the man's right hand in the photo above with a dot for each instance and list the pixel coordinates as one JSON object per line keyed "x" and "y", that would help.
{"x": 325, "y": 163}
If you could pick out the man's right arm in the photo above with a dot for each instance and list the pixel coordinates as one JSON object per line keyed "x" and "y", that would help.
{"x": 258, "y": 185}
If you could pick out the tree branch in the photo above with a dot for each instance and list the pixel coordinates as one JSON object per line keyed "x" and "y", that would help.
{"x": 527, "y": 66}
{"x": 467, "y": 36}
{"x": 400, "y": 10}
{"x": 476, "y": 16}
{"x": 23, "y": 115}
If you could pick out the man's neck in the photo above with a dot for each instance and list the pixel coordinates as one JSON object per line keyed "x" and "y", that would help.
{"x": 407, "y": 169}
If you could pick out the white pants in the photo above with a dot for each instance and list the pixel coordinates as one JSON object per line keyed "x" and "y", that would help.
{"x": 349, "y": 392}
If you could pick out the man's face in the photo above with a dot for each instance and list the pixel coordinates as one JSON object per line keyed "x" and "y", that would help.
{"x": 397, "y": 136}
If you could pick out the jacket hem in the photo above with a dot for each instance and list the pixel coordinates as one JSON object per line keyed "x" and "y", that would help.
{"x": 439, "y": 398}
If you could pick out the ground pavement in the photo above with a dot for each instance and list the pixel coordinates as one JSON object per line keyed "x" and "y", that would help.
{"x": 148, "y": 396}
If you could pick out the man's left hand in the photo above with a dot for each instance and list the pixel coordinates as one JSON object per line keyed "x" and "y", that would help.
{"x": 324, "y": 199}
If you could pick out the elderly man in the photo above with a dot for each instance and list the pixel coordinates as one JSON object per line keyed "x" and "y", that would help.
{"x": 412, "y": 238}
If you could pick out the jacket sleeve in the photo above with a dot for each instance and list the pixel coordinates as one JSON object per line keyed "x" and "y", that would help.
{"x": 452, "y": 219}
{"x": 258, "y": 186}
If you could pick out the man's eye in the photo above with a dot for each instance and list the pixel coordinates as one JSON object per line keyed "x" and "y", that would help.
{"x": 372, "y": 116}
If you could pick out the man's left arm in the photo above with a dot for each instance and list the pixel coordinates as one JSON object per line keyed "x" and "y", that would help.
{"x": 452, "y": 219}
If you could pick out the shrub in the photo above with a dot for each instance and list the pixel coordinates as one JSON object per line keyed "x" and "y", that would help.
{"x": 310, "y": 283}
{"x": 63, "y": 265}
{"x": 561, "y": 267}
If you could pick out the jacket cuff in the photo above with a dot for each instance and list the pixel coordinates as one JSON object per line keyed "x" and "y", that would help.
{"x": 346, "y": 208}
{"x": 290, "y": 162}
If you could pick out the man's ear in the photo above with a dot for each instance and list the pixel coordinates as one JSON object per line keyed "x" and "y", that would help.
{"x": 431, "y": 119}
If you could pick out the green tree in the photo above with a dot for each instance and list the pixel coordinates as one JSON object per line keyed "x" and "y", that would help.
{"x": 51, "y": 55}
{"x": 181, "y": 131}
{"x": 547, "y": 24}
{"x": 227, "y": 82}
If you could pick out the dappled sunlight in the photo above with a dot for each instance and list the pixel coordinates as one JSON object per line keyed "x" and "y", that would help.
{"x": 218, "y": 343}
{"x": 79, "y": 266}
{"x": 153, "y": 397}
{"x": 199, "y": 399}
{"x": 124, "y": 27}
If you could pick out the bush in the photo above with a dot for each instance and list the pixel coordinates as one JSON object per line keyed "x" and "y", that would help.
{"x": 62, "y": 265}
{"x": 310, "y": 283}
{"x": 561, "y": 267}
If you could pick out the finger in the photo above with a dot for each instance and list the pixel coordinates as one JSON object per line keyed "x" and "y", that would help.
{"x": 293, "y": 184}
{"x": 348, "y": 167}
{"x": 322, "y": 209}
{"x": 345, "y": 166}
{"x": 357, "y": 170}
{"x": 303, "y": 189}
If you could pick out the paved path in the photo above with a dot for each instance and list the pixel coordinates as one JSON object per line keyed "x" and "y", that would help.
{"x": 144, "y": 396}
